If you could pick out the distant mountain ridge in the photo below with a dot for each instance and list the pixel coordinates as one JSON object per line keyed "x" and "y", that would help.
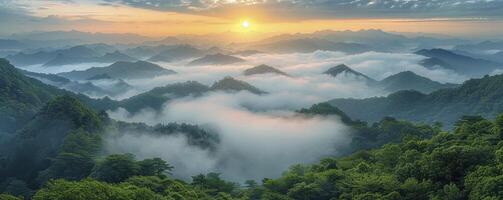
{"x": 406, "y": 80}
{"x": 99, "y": 53}
{"x": 263, "y": 69}
{"x": 459, "y": 63}
{"x": 215, "y": 59}
{"x": 121, "y": 70}
{"x": 175, "y": 53}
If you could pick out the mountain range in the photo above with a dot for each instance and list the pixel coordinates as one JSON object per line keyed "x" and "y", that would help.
{"x": 474, "y": 97}
{"x": 406, "y": 80}
{"x": 458, "y": 63}
{"x": 215, "y": 59}
{"x": 121, "y": 70}
{"x": 263, "y": 69}
{"x": 100, "y": 53}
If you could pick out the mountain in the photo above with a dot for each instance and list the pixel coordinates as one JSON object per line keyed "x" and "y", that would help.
{"x": 80, "y": 37}
{"x": 121, "y": 70}
{"x": 307, "y": 45}
{"x": 432, "y": 63}
{"x": 145, "y": 52}
{"x": 484, "y": 46}
{"x": 21, "y": 97}
{"x": 110, "y": 87}
{"x": 215, "y": 59}
{"x": 99, "y": 77}
{"x": 459, "y": 63}
{"x": 156, "y": 97}
{"x": 263, "y": 69}
{"x": 7, "y": 44}
{"x": 408, "y": 80}
{"x": 474, "y": 97}
{"x": 115, "y": 56}
{"x": 52, "y": 58}
{"x": 63, "y": 125}
{"x": 246, "y": 52}
{"x": 230, "y": 84}
{"x": 344, "y": 70}
{"x": 177, "y": 53}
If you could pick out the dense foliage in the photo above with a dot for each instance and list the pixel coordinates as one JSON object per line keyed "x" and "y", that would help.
{"x": 474, "y": 97}
{"x": 466, "y": 163}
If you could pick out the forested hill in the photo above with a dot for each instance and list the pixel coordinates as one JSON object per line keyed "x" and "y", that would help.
{"x": 464, "y": 164}
{"x": 474, "y": 97}
{"x": 21, "y": 97}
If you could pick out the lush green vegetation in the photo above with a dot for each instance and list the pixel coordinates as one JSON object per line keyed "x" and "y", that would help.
{"x": 474, "y": 97}
{"x": 56, "y": 153}
{"x": 466, "y": 163}
{"x": 22, "y": 97}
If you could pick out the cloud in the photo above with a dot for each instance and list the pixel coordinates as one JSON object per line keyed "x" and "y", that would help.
{"x": 260, "y": 134}
{"x": 316, "y": 9}
{"x": 253, "y": 145}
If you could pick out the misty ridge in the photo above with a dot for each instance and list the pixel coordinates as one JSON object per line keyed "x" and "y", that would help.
{"x": 258, "y": 111}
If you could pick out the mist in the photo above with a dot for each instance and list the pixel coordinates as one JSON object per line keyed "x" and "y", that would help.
{"x": 261, "y": 135}
{"x": 253, "y": 145}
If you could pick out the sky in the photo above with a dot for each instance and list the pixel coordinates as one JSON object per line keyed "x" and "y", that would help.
{"x": 172, "y": 17}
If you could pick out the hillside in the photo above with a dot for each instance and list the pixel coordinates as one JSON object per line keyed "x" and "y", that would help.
{"x": 408, "y": 80}
{"x": 458, "y": 63}
{"x": 230, "y": 84}
{"x": 307, "y": 45}
{"x": 121, "y": 70}
{"x": 344, "y": 70}
{"x": 263, "y": 69}
{"x": 21, "y": 97}
{"x": 177, "y": 53}
{"x": 156, "y": 97}
{"x": 474, "y": 97}
{"x": 215, "y": 59}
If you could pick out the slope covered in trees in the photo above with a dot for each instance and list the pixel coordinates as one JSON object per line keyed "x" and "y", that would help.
{"x": 463, "y": 164}
{"x": 474, "y": 97}
{"x": 408, "y": 80}
{"x": 21, "y": 97}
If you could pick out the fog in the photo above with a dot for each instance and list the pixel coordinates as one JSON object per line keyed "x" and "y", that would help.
{"x": 306, "y": 70}
{"x": 253, "y": 145}
{"x": 62, "y": 68}
{"x": 260, "y": 134}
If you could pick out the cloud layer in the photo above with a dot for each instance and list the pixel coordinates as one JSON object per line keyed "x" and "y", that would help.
{"x": 253, "y": 145}
{"x": 331, "y": 8}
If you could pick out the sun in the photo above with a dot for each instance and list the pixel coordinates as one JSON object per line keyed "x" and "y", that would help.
{"x": 245, "y": 24}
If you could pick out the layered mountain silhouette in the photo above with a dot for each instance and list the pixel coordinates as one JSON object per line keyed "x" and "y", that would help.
{"x": 177, "y": 53}
{"x": 458, "y": 63}
{"x": 100, "y": 53}
{"x": 307, "y": 45}
{"x": 406, "y": 80}
{"x": 230, "y": 84}
{"x": 215, "y": 59}
{"x": 263, "y": 69}
{"x": 121, "y": 70}
{"x": 158, "y": 96}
